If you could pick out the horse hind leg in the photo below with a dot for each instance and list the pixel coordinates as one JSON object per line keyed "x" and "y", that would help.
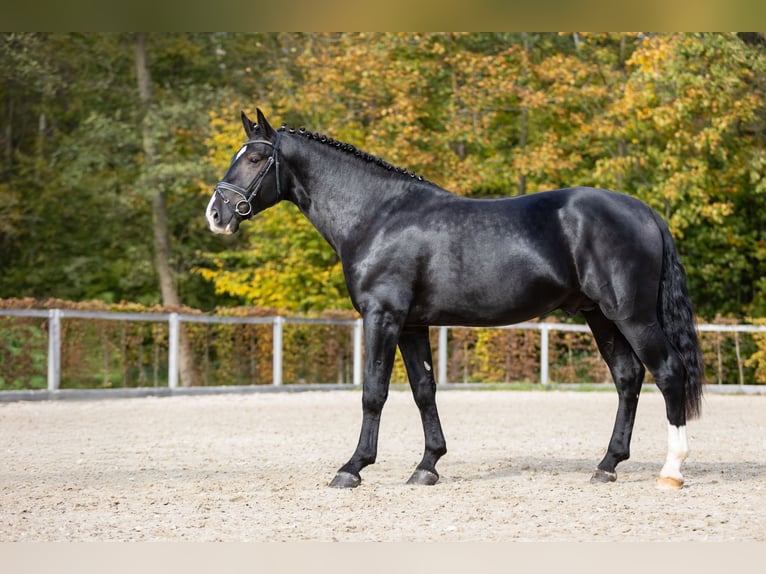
{"x": 628, "y": 375}
{"x": 416, "y": 352}
{"x": 667, "y": 368}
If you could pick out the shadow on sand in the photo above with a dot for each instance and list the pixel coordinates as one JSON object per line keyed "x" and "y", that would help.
{"x": 630, "y": 470}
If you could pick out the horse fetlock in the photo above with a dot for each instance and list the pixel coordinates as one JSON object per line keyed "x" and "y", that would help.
{"x": 434, "y": 452}
{"x": 621, "y": 456}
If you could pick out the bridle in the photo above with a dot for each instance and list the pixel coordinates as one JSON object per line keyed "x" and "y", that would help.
{"x": 244, "y": 206}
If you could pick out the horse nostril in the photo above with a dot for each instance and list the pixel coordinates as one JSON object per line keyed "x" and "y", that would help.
{"x": 214, "y": 214}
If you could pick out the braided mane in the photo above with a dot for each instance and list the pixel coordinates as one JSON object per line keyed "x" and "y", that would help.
{"x": 348, "y": 148}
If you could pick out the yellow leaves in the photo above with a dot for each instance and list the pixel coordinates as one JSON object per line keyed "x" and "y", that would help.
{"x": 545, "y": 162}
{"x": 534, "y": 99}
{"x": 653, "y": 53}
{"x": 717, "y": 212}
{"x": 227, "y": 134}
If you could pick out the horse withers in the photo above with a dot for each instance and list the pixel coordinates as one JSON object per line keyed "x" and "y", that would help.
{"x": 415, "y": 255}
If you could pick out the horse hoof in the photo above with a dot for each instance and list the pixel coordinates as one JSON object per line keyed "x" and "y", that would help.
{"x": 345, "y": 480}
{"x": 421, "y": 476}
{"x": 602, "y": 476}
{"x": 670, "y": 483}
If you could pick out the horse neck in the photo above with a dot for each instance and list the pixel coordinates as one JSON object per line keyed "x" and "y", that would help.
{"x": 340, "y": 193}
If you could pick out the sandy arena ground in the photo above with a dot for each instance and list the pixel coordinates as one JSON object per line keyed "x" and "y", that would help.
{"x": 255, "y": 468}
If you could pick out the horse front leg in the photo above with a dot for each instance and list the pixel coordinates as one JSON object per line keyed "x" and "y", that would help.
{"x": 416, "y": 352}
{"x": 381, "y": 333}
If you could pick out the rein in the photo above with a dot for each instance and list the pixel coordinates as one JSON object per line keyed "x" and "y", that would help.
{"x": 244, "y": 207}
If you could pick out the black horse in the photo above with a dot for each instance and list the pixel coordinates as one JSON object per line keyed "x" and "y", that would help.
{"x": 416, "y": 255}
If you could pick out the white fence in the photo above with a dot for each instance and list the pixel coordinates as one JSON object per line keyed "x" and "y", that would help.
{"x": 174, "y": 320}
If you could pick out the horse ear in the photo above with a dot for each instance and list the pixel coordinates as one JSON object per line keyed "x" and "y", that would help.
{"x": 251, "y": 128}
{"x": 266, "y": 129}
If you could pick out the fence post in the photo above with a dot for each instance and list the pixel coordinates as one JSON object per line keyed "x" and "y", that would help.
{"x": 442, "y": 355}
{"x": 544, "y": 353}
{"x": 173, "y": 328}
{"x": 277, "y": 351}
{"x": 358, "y": 331}
{"x": 54, "y": 349}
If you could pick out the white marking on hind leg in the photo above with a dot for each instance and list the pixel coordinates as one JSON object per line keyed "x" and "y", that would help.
{"x": 678, "y": 450}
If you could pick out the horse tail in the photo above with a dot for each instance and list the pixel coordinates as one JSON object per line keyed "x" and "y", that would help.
{"x": 676, "y": 316}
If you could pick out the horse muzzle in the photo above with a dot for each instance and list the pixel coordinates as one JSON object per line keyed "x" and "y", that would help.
{"x": 215, "y": 220}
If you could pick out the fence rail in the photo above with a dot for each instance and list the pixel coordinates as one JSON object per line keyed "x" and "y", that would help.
{"x": 175, "y": 320}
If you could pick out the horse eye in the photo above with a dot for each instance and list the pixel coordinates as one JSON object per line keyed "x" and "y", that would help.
{"x": 254, "y": 159}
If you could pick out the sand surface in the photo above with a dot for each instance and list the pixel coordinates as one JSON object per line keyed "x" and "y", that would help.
{"x": 255, "y": 468}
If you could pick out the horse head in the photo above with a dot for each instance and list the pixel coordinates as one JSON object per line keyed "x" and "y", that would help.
{"x": 244, "y": 191}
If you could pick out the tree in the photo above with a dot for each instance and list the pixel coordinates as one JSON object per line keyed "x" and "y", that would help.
{"x": 62, "y": 173}
{"x": 74, "y": 221}
{"x": 690, "y": 118}
{"x": 161, "y": 234}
